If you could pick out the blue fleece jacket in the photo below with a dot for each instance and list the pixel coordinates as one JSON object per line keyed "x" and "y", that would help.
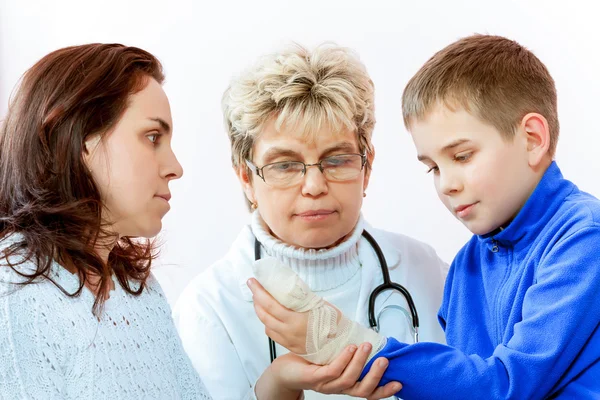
{"x": 520, "y": 311}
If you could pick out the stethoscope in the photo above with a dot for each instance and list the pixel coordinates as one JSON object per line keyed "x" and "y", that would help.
{"x": 386, "y": 285}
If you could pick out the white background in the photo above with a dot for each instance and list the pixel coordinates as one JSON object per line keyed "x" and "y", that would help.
{"x": 203, "y": 44}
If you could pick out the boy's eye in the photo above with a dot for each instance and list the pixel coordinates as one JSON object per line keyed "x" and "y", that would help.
{"x": 463, "y": 157}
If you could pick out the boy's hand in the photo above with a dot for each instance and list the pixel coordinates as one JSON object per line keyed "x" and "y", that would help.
{"x": 286, "y": 327}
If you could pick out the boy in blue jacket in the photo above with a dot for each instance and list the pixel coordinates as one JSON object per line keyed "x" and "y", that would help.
{"x": 520, "y": 307}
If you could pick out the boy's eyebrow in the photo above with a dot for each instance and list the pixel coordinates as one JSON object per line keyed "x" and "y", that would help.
{"x": 447, "y": 147}
{"x": 454, "y": 144}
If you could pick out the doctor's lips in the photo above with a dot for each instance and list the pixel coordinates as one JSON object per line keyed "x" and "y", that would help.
{"x": 166, "y": 196}
{"x": 463, "y": 211}
{"x": 315, "y": 214}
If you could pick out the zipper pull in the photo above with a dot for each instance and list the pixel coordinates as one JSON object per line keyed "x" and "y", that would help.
{"x": 495, "y": 247}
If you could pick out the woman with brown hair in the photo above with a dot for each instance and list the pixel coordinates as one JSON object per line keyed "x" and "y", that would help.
{"x": 85, "y": 167}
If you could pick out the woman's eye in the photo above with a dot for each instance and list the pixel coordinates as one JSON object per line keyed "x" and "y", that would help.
{"x": 153, "y": 137}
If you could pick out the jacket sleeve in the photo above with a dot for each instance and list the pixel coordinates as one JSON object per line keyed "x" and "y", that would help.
{"x": 560, "y": 321}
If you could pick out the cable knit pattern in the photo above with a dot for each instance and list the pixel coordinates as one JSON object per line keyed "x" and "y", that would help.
{"x": 323, "y": 269}
{"x": 53, "y": 347}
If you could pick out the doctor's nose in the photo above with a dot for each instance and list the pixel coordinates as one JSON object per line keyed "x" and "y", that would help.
{"x": 314, "y": 182}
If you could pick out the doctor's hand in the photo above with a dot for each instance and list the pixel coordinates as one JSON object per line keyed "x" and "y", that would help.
{"x": 284, "y": 326}
{"x": 290, "y": 374}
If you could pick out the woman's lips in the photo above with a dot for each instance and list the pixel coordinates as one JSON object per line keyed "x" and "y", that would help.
{"x": 166, "y": 196}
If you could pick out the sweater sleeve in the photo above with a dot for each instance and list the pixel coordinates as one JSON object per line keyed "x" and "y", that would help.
{"x": 30, "y": 366}
{"x": 557, "y": 339}
{"x": 211, "y": 351}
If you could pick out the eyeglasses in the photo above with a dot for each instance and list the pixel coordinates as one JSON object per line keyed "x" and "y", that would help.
{"x": 338, "y": 168}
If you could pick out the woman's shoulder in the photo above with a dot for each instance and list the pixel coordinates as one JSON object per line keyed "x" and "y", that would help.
{"x": 22, "y": 278}
{"x": 26, "y": 295}
{"x": 14, "y": 264}
{"x": 38, "y": 308}
{"x": 15, "y": 272}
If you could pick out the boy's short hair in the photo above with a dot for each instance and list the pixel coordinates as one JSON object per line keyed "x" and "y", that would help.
{"x": 304, "y": 90}
{"x": 492, "y": 77}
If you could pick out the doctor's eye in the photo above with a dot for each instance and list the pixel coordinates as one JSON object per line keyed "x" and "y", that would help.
{"x": 286, "y": 166}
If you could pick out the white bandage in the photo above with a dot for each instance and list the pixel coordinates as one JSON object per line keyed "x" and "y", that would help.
{"x": 328, "y": 330}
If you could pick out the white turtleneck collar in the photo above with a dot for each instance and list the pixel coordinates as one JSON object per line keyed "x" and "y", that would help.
{"x": 323, "y": 269}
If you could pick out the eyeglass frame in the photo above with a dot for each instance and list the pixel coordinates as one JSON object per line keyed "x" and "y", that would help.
{"x": 259, "y": 170}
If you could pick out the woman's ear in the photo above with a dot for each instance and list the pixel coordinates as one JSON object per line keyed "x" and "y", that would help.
{"x": 245, "y": 179}
{"x": 537, "y": 136}
{"x": 369, "y": 167}
{"x": 89, "y": 147}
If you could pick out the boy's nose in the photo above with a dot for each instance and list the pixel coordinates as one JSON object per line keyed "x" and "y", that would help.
{"x": 449, "y": 183}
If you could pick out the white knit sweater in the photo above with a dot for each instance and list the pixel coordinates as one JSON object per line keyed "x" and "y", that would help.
{"x": 53, "y": 347}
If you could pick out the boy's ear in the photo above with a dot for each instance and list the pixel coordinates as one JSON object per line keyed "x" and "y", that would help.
{"x": 537, "y": 136}
{"x": 246, "y": 181}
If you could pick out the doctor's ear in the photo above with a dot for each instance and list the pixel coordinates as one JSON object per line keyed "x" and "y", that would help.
{"x": 369, "y": 166}
{"x": 245, "y": 177}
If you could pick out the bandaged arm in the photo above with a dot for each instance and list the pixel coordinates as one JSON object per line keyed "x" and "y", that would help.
{"x": 328, "y": 330}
